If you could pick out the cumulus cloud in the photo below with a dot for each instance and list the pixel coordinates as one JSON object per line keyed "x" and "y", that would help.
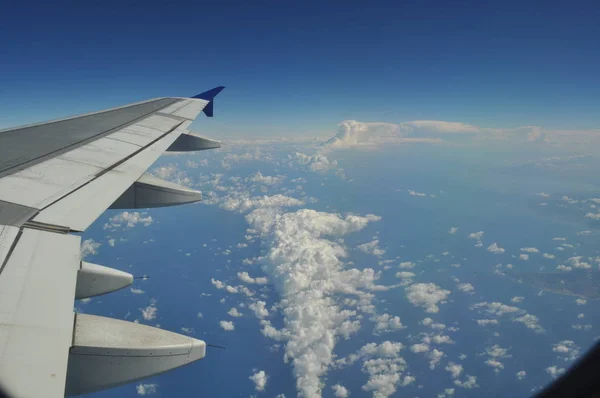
{"x": 453, "y": 230}
{"x": 593, "y": 216}
{"x": 554, "y": 371}
{"x": 352, "y": 133}
{"x": 146, "y": 389}
{"x": 494, "y": 248}
{"x": 266, "y": 180}
{"x": 455, "y": 369}
{"x": 581, "y": 301}
{"x": 245, "y": 277}
{"x": 470, "y": 382}
{"x": 420, "y": 347}
{"x": 149, "y": 313}
{"x": 304, "y": 263}
{"x": 127, "y": 220}
{"x": 371, "y": 248}
{"x": 426, "y": 295}
{"x": 466, "y": 287}
{"x": 383, "y": 365}
{"x": 386, "y": 323}
{"x": 406, "y": 265}
{"x": 234, "y": 312}
{"x": 521, "y": 374}
{"x": 259, "y": 309}
{"x": 435, "y": 357}
{"x": 260, "y": 380}
{"x": 519, "y": 315}
{"x": 244, "y": 204}
{"x": 89, "y": 247}
{"x": 530, "y": 250}
{"x": 577, "y": 263}
{"x": 476, "y": 235}
{"x": 227, "y": 325}
{"x": 487, "y": 322}
{"x": 317, "y": 162}
{"x": 567, "y": 349}
{"x": 340, "y": 391}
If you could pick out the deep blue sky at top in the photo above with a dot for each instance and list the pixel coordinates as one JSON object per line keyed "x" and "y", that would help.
{"x": 303, "y": 66}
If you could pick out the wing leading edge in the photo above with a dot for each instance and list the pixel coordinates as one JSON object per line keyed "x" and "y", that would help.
{"x": 57, "y": 178}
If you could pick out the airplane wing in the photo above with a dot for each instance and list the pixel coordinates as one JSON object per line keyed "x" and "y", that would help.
{"x": 56, "y": 178}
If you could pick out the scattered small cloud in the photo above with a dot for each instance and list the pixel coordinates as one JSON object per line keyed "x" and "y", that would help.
{"x": 260, "y": 380}
{"x": 227, "y": 325}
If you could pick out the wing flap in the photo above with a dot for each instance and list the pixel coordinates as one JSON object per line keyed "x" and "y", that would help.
{"x": 36, "y": 317}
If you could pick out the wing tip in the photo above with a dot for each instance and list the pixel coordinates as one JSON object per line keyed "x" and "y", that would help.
{"x": 210, "y": 94}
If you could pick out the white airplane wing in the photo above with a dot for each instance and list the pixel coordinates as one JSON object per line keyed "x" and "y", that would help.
{"x": 56, "y": 178}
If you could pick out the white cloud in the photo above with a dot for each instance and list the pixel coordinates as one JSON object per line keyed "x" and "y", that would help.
{"x": 494, "y": 248}
{"x": 371, "y": 248}
{"x": 455, "y": 369}
{"x": 406, "y": 277}
{"x": 554, "y": 371}
{"x": 318, "y": 162}
{"x": 549, "y": 256}
{"x": 530, "y": 250}
{"x": 470, "y": 382}
{"x": 426, "y": 295}
{"x": 466, "y": 287}
{"x": 146, "y": 389}
{"x": 524, "y": 257}
{"x": 136, "y": 291}
{"x": 234, "y": 313}
{"x": 520, "y": 316}
{"x": 407, "y": 265}
{"x": 111, "y": 242}
{"x": 303, "y": 262}
{"x": 581, "y": 301}
{"x": 383, "y": 365}
{"x": 476, "y": 235}
{"x": 593, "y": 216}
{"x": 128, "y": 220}
{"x": 353, "y": 133}
{"x": 435, "y": 357}
{"x": 260, "y": 380}
{"x": 453, "y": 230}
{"x": 415, "y": 193}
{"x": 259, "y": 309}
{"x": 577, "y": 263}
{"x": 149, "y": 313}
{"x": 386, "y": 323}
{"x": 421, "y": 347}
{"x": 567, "y": 349}
{"x": 530, "y": 321}
{"x": 340, "y": 391}
{"x": 227, "y": 325}
{"x": 89, "y": 247}
{"x": 496, "y": 308}
{"x": 245, "y": 277}
{"x": 266, "y": 180}
{"x": 486, "y": 322}
{"x": 521, "y": 374}
{"x": 517, "y": 299}
{"x": 494, "y": 363}
{"x": 246, "y": 203}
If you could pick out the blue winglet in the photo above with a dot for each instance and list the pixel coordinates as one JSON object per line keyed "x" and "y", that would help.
{"x": 209, "y": 96}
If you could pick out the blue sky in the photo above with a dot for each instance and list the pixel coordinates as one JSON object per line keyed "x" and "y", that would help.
{"x": 302, "y": 67}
